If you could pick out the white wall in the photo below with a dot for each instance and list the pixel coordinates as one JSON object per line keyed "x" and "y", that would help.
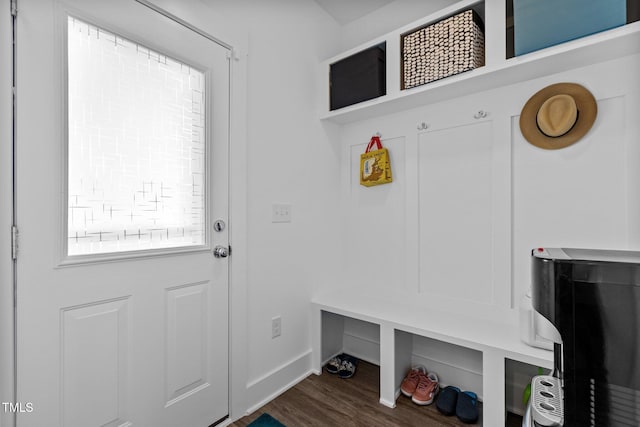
{"x": 291, "y": 158}
{"x": 387, "y": 18}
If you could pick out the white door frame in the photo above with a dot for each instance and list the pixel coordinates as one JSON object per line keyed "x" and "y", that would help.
{"x": 237, "y": 207}
{"x": 7, "y": 364}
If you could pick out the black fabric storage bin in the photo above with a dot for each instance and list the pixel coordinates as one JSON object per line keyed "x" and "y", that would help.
{"x": 358, "y": 77}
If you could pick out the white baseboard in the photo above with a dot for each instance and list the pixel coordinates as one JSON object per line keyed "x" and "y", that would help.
{"x": 275, "y": 382}
{"x": 387, "y": 403}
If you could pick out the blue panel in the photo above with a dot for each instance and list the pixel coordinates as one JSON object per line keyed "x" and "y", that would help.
{"x": 542, "y": 23}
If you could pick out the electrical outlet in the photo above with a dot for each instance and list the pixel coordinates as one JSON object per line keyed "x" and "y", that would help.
{"x": 276, "y": 327}
{"x": 281, "y": 212}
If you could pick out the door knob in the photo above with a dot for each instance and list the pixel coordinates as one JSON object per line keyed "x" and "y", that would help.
{"x": 220, "y": 251}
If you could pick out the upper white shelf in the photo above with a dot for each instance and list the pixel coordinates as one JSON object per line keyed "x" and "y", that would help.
{"x": 604, "y": 46}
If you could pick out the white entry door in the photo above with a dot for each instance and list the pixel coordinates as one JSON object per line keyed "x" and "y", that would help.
{"x": 122, "y": 173}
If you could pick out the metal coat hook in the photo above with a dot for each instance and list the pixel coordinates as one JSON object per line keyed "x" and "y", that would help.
{"x": 481, "y": 114}
{"x": 378, "y": 134}
{"x": 422, "y": 126}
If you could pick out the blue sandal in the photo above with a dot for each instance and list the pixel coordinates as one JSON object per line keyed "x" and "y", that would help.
{"x": 467, "y": 407}
{"x": 447, "y": 400}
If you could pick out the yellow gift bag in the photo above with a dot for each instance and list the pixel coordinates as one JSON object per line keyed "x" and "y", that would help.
{"x": 375, "y": 167}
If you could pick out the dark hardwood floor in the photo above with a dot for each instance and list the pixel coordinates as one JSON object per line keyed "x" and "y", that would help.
{"x": 327, "y": 401}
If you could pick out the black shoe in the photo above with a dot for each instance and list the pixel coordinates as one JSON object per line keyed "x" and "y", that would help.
{"x": 333, "y": 365}
{"x": 348, "y": 367}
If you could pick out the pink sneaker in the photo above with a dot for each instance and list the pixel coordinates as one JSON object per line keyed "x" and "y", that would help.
{"x": 426, "y": 390}
{"x": 411, "y": 380}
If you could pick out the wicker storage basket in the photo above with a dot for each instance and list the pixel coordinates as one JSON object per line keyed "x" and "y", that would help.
{"x": 448, "y": 47}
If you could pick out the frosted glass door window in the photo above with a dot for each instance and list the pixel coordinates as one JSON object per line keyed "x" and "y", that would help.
{"x": 137, "y": 146}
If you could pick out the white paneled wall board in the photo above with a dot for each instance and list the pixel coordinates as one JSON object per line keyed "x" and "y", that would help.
{"x": 429, "y": 217}
{"x": 586, "y": 195}
{"x": 476, "y": 188}
{"x": 557, "y": 195}
{"x": 374, "y": 238}
{"x": 455, "y": 177}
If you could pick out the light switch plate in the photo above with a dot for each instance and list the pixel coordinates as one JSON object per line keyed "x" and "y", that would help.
{"x": 281, "y": 212}
{"x": 276, "y": 327}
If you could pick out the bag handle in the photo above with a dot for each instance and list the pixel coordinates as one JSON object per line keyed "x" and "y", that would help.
{"x": 375, "y": 139}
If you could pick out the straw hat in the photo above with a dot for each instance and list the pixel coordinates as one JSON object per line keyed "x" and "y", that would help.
{"x": 558, "y": 115}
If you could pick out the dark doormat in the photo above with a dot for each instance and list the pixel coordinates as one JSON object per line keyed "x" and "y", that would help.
{"x": 266, "y": 420}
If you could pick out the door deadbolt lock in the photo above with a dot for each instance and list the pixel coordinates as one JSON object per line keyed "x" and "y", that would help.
{"x": 219, "y": 225}
{"x": 221, "y": 251}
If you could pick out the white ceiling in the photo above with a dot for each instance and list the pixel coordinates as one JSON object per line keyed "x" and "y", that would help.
{"x": 345, "y": 11}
